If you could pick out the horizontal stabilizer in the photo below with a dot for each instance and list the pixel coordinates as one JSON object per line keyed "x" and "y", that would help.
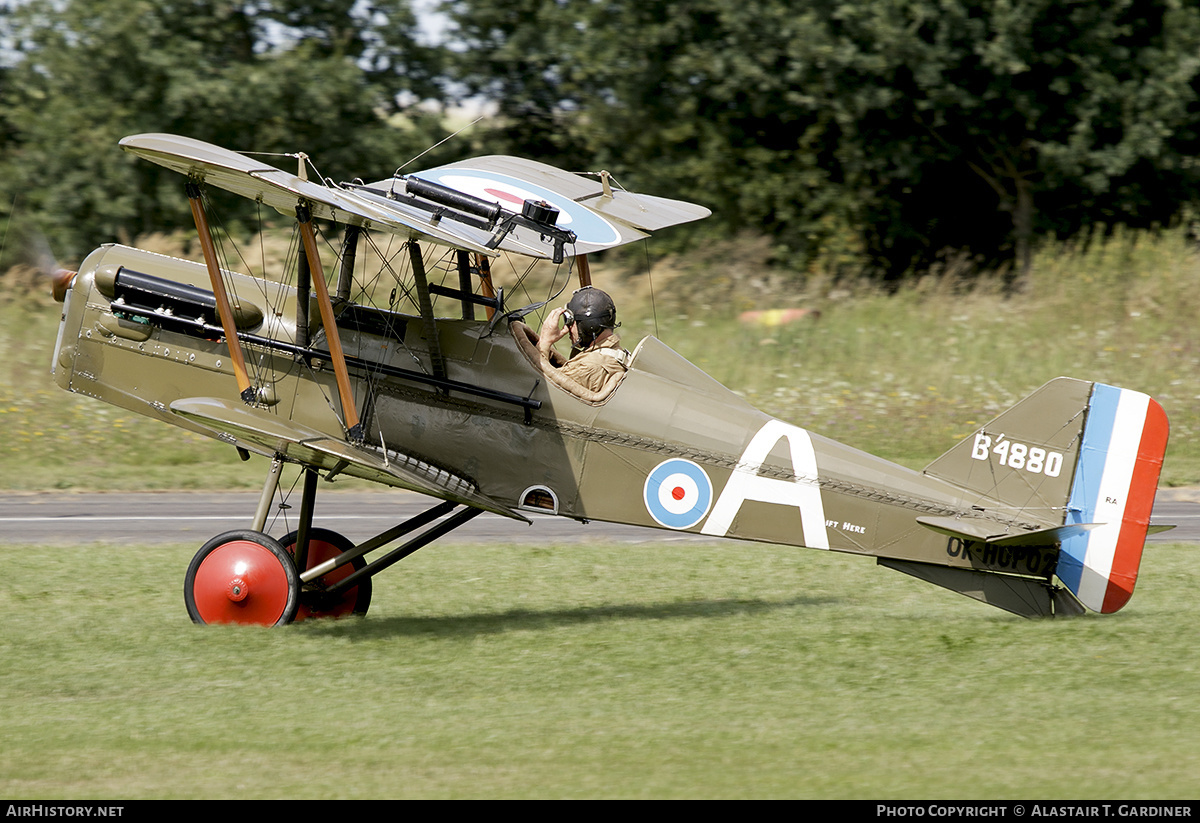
{"x": 989, "y": 531}
{"x": 268, "y": 434}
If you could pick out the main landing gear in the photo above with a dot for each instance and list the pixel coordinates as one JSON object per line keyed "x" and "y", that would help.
{"x": 248, "y": 577}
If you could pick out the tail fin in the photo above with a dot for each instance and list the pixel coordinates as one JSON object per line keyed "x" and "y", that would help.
{"x": 1084, "y": 458}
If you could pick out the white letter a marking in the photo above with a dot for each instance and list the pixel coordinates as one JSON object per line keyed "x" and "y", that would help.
{"x": 745, "y": 484}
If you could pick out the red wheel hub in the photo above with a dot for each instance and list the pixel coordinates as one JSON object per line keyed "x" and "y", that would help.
{"x": 241, "y": 582}
{"x": 238, "y": 590}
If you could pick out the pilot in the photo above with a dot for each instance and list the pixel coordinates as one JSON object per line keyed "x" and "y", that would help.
{"x": 596, "y": 354}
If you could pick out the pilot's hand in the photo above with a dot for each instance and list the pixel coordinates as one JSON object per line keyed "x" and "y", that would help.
{"x": 551, "y": 330}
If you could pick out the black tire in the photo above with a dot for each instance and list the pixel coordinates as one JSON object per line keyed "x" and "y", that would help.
{"x": 323, "y": 544}
{"x": 242, "y": 576}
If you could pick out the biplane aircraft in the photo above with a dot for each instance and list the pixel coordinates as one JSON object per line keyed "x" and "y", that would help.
{"x": 1043, "y": 511}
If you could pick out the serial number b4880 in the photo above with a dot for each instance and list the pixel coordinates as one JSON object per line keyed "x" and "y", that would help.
{"x": 1015, "y": 455}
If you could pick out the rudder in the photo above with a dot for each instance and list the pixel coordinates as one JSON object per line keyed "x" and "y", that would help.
{"x": 1115, "y": 480}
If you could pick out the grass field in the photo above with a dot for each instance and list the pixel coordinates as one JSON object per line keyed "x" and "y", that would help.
{"x": 638, "y": 671}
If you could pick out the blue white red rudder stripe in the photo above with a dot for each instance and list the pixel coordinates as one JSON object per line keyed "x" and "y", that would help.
{"x": 1116, "y": 477}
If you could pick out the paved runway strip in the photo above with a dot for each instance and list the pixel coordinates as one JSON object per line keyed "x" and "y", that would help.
{"x": 55, "y": 518}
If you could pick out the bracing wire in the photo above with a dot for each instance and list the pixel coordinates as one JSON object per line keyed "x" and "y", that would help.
{"x": 221, "y": 241}
{"x": 224, "y": 269}
{"x": 650, "y": 281}
{"x": 394, "y": 263}
{"x": 445, "y": 139}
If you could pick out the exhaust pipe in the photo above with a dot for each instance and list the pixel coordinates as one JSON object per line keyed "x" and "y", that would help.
{"x": 61, "y": 280}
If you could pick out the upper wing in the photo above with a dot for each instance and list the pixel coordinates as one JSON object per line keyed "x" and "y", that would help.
{"x": 590, "y": 215}
{"x": 600, "y": 217}
{"x": 642, "y": 211}
{"x": 264, "y": 183}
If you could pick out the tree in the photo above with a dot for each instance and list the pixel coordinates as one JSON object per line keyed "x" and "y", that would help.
{"x": 271, "y": 76}
{"x": 916, "y": 125}
{"x": 1087, "y": 108}
{"x": 703, "y": 99}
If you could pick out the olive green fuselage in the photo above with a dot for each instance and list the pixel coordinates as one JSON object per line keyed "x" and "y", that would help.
{"x": 518, "y": 439}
